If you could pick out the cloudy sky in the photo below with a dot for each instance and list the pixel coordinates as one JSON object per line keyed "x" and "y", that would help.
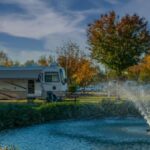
{"x": 30, "y": 28}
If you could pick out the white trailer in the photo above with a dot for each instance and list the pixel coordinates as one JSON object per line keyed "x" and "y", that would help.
{"x": 33, "y": 82}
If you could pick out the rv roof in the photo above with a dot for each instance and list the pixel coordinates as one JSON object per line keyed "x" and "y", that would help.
{"x": 30, "y": 72}
{"x": 22, "y": 68}
{"x": 19, "y": 73}
{"x": 53, "y": 65}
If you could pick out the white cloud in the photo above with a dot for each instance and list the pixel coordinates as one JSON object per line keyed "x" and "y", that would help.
{"x": 140, "y": 7}
{"x": 112, "y": 1}
{"x": 39, "y": 21}
{"x": 24, "y": 55}
{"x": 43, "y": 22}
{"x": 51, "y": 41}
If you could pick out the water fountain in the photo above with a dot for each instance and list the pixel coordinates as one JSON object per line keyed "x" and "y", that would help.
{"x": 140, "y": 95}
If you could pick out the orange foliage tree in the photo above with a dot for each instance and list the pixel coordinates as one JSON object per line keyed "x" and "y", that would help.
{"x": 85, "y": 73}
{"x": 5, "y": 60}
{"x": 142, "y": 71}
{"x": 78, "y": 68}
{"x": 68, "y": 57}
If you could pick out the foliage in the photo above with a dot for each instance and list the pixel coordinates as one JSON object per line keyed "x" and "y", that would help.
{"x": 8, "y": 148}
{"x": 85, "y": 72}
{"x": 79, "y": 68}
{"x": 30, "y": 63}
{"x": 4, "y": 60}
{"x": 16, "y": 63}
{"x": 13, "y": 115}
{"x": 72, "y": 88}
{"x": 118, "y": 43}
{"x": 44, "y": 61}
{"x": 68, "y": 57}
{"x": 141, "y": 71}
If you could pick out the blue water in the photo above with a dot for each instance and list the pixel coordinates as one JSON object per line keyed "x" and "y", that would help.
{"x": 101, "y": 134}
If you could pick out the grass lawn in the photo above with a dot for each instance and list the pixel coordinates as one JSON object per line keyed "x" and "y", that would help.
{"x": 82, "y": 99}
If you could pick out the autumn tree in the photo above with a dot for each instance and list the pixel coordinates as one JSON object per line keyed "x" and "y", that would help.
{"x": 44, "y": 61}
{"x": 119, "y": 43}
{"x": 9, "y": 63}
{"x": 68, "y": 57}
{"x": 85, "y": 73}
{"x": 78, "y": 68}
{"x": 141, "y": 71}
{"x": 5, "y": 60}
{"x": 145, "y": 69}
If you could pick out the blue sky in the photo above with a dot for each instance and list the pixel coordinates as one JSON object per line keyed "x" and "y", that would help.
{"x": 30, "y": 28}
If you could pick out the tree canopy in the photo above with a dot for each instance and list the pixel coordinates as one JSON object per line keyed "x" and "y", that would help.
{"x": 5, "y": 60}
{"x": 78, "y": 67}
{"x": 85, "y": 72}
{"x": 141, "y": 71}
{"x": 117, "y": 42}
{"x": 44, "y": 61}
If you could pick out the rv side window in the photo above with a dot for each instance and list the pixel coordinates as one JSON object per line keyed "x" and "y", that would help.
{"x": 51, "y": 77}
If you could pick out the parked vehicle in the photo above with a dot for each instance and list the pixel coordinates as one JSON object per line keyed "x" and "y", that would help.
{"x": 33, "y": 82}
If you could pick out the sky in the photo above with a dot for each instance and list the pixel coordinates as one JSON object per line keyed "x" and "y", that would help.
{"x": 31, "y": 28}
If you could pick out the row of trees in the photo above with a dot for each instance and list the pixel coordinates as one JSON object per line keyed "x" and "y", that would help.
{"x": 122, "y": 45}
{"x": 79, "y": 68}
{"x": 7, "y": 62}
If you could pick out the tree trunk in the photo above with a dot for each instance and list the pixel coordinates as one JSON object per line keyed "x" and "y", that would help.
{"x": 119, "y": 78}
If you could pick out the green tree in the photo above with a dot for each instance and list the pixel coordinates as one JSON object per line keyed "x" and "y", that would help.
{"x": 16, "y": 63}
{"x": 3, "y": 58}
{"x": 30, "y": 63}
{"x": 44, "y": 61}
{"x": 119, "y": 43}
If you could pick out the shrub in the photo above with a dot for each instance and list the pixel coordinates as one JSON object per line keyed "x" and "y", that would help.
{"x": 72, "y": 88}
{"x": 12, "y": 116}
{"x": 8, "y": 148}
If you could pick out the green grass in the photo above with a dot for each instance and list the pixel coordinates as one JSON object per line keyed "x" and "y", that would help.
{"x": 93, "y": 99}
{"x": 89, "y": 99}
{"x": 18, "y": 101}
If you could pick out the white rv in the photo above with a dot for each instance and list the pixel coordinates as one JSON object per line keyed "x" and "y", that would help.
{"x": 33, "y": 82}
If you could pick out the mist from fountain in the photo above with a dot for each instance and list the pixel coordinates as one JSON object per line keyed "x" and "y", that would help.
{"x": 139, "y": 95}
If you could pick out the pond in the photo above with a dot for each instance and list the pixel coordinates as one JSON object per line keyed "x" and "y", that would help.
{"x": 95, "y": 134}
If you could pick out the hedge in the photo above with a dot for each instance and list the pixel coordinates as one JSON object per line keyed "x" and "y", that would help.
{"x": 19, "y": 115}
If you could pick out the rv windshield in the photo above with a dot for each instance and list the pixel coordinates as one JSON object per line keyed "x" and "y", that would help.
{"x": 62, "y": 76}
{"x": 51, "y": 77}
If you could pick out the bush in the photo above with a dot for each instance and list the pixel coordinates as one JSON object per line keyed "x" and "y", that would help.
{"x": 72, "y": 88}
{"x": 8, "y": 148}
{"x": 12, "y": 116}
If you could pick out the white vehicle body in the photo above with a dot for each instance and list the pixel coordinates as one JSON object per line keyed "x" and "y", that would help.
{"x": 32, "y": 82}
